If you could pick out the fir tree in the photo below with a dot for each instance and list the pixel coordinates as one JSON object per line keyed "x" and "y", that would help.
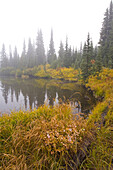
{"x": 16, "y": 58}
{"x": 4, "y": 59}
{"x": 40, "y": 51}
{"x": 10, "y": 57}
{"x": 61, "y": 55}
{"x": 98, "y": 61}
{"x": 86, "y": 60}
{"x": 67, "y": 57}
{"x": 23, "y": 60}
{"x": 106, "y": 38}
{"x": 51, "y": 53}
{"x": 30, "y": 55}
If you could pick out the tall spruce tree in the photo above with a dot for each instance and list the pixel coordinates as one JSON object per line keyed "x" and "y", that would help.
{"x": 106, "y": 38}
{"x": 104, "y": 41}
{"x": 4, "y": 59}
{"x": 61, "y": 55}
{"x": 10, "y": 57}
{"x": 23, "y": 59}
{"x": 40, "y": 51}
{"x": 78, "y": 57}
{"x": 86, "y": 60}
{"x": 99, "y": 60}
{"x": 15, "y": 58}
{"x": 51, "y": 56}
{"x": 30, "y": 55}
{"x": 110, "y": 52}
{"x": 67, "y": 57}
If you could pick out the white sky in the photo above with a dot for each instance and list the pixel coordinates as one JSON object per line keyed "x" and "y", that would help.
{"x": 21, "y": 19}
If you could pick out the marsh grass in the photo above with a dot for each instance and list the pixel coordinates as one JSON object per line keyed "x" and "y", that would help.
{"x": 46, "y": 138}
{"x": 100, "y": 154}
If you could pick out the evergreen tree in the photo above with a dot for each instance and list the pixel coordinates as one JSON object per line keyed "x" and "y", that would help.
{"x": 40, "y": 51}
{"x": 67, "y": 57}
{"x": 106, "y": 38}
{"x": 16, "y": 58}
{"x": 4, "y": 59}
{"x": 98, "y": 61}
{"x": 51, "y": 53}
{"x": 70, "y": 55}
{"x": 78, "y": 57}
{"x": 10, "y": 57}
{"x": 110, "y": 52}
{"x": 23, "y": 59}
{"x": 95, "y": 52}
{"x": 30, "y": 55}
{"x": 73, "y": 56}
{"x": 86, "y": 60}
{"x": 61, "y": 55}
{"x": 104, "y": 43}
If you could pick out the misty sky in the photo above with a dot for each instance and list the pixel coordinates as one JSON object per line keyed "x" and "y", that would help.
{"x": 21, "y": 19}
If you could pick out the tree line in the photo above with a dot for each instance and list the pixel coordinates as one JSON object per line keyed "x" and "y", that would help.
{"x": 88, "y": 58}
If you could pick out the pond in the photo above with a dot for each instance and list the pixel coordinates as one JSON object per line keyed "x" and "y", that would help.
{"x": 25, "y": 94}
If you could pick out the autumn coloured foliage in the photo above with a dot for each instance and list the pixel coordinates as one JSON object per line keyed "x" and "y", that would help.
{"x": 54, "y": 138}
{"x": 46, "y": 138}
{"x": 44, "y": 72}
{"x": 101, "y": 151}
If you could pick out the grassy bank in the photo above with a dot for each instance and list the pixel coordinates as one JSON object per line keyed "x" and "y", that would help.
{"x": 69, "y": 74}
{"x": 53, "y": 138}
{"x": 101, "y": 150}
{"x": 47, "y": 138}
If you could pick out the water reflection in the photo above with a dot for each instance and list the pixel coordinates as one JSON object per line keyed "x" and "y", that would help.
{"x": 16, "y": 93}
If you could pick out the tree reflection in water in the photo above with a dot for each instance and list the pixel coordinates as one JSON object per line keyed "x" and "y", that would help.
{"x": 30, "y": 93}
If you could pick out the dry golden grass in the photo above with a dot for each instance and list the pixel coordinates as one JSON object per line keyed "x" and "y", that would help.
{"x": 47, "y": 138}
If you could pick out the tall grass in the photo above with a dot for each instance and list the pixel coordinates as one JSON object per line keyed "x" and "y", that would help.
{"x": 47, "y": 138}
{"x": 100, "y": 155}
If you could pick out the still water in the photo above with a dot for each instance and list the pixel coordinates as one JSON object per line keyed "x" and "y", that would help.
{"x": 25, "y": 94}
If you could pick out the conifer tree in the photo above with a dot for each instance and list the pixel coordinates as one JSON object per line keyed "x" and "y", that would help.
{"x": 106, "y": 38}
{"x": 99, "y": 61}
{"x": 4, "y": 59}
{"x": 67, "y": 57}
{"x": 110, "y": 49}
{"x": 30, "y": 55}
{"x": 86, "y": 60}
{"x": 104, "y": 43}
{"x": 61, "y": 55}
{"x": 51, "y": 56}
{"x": 23, "y": 59}
{"x": 16, "y": 58}
{"x": 78, "y": 57}
{"x": 10, "y": 57}
{"x": 40, "y": 51}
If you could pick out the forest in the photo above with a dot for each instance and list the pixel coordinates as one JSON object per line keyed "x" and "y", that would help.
{"x": 87, "y": 58}
{"x": 51, "y": 137}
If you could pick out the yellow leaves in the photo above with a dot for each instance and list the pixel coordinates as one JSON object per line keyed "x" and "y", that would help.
{"x": 59, "y": 73}
{"x": 45, "y": 71}
{"x": 103, "y": 86}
